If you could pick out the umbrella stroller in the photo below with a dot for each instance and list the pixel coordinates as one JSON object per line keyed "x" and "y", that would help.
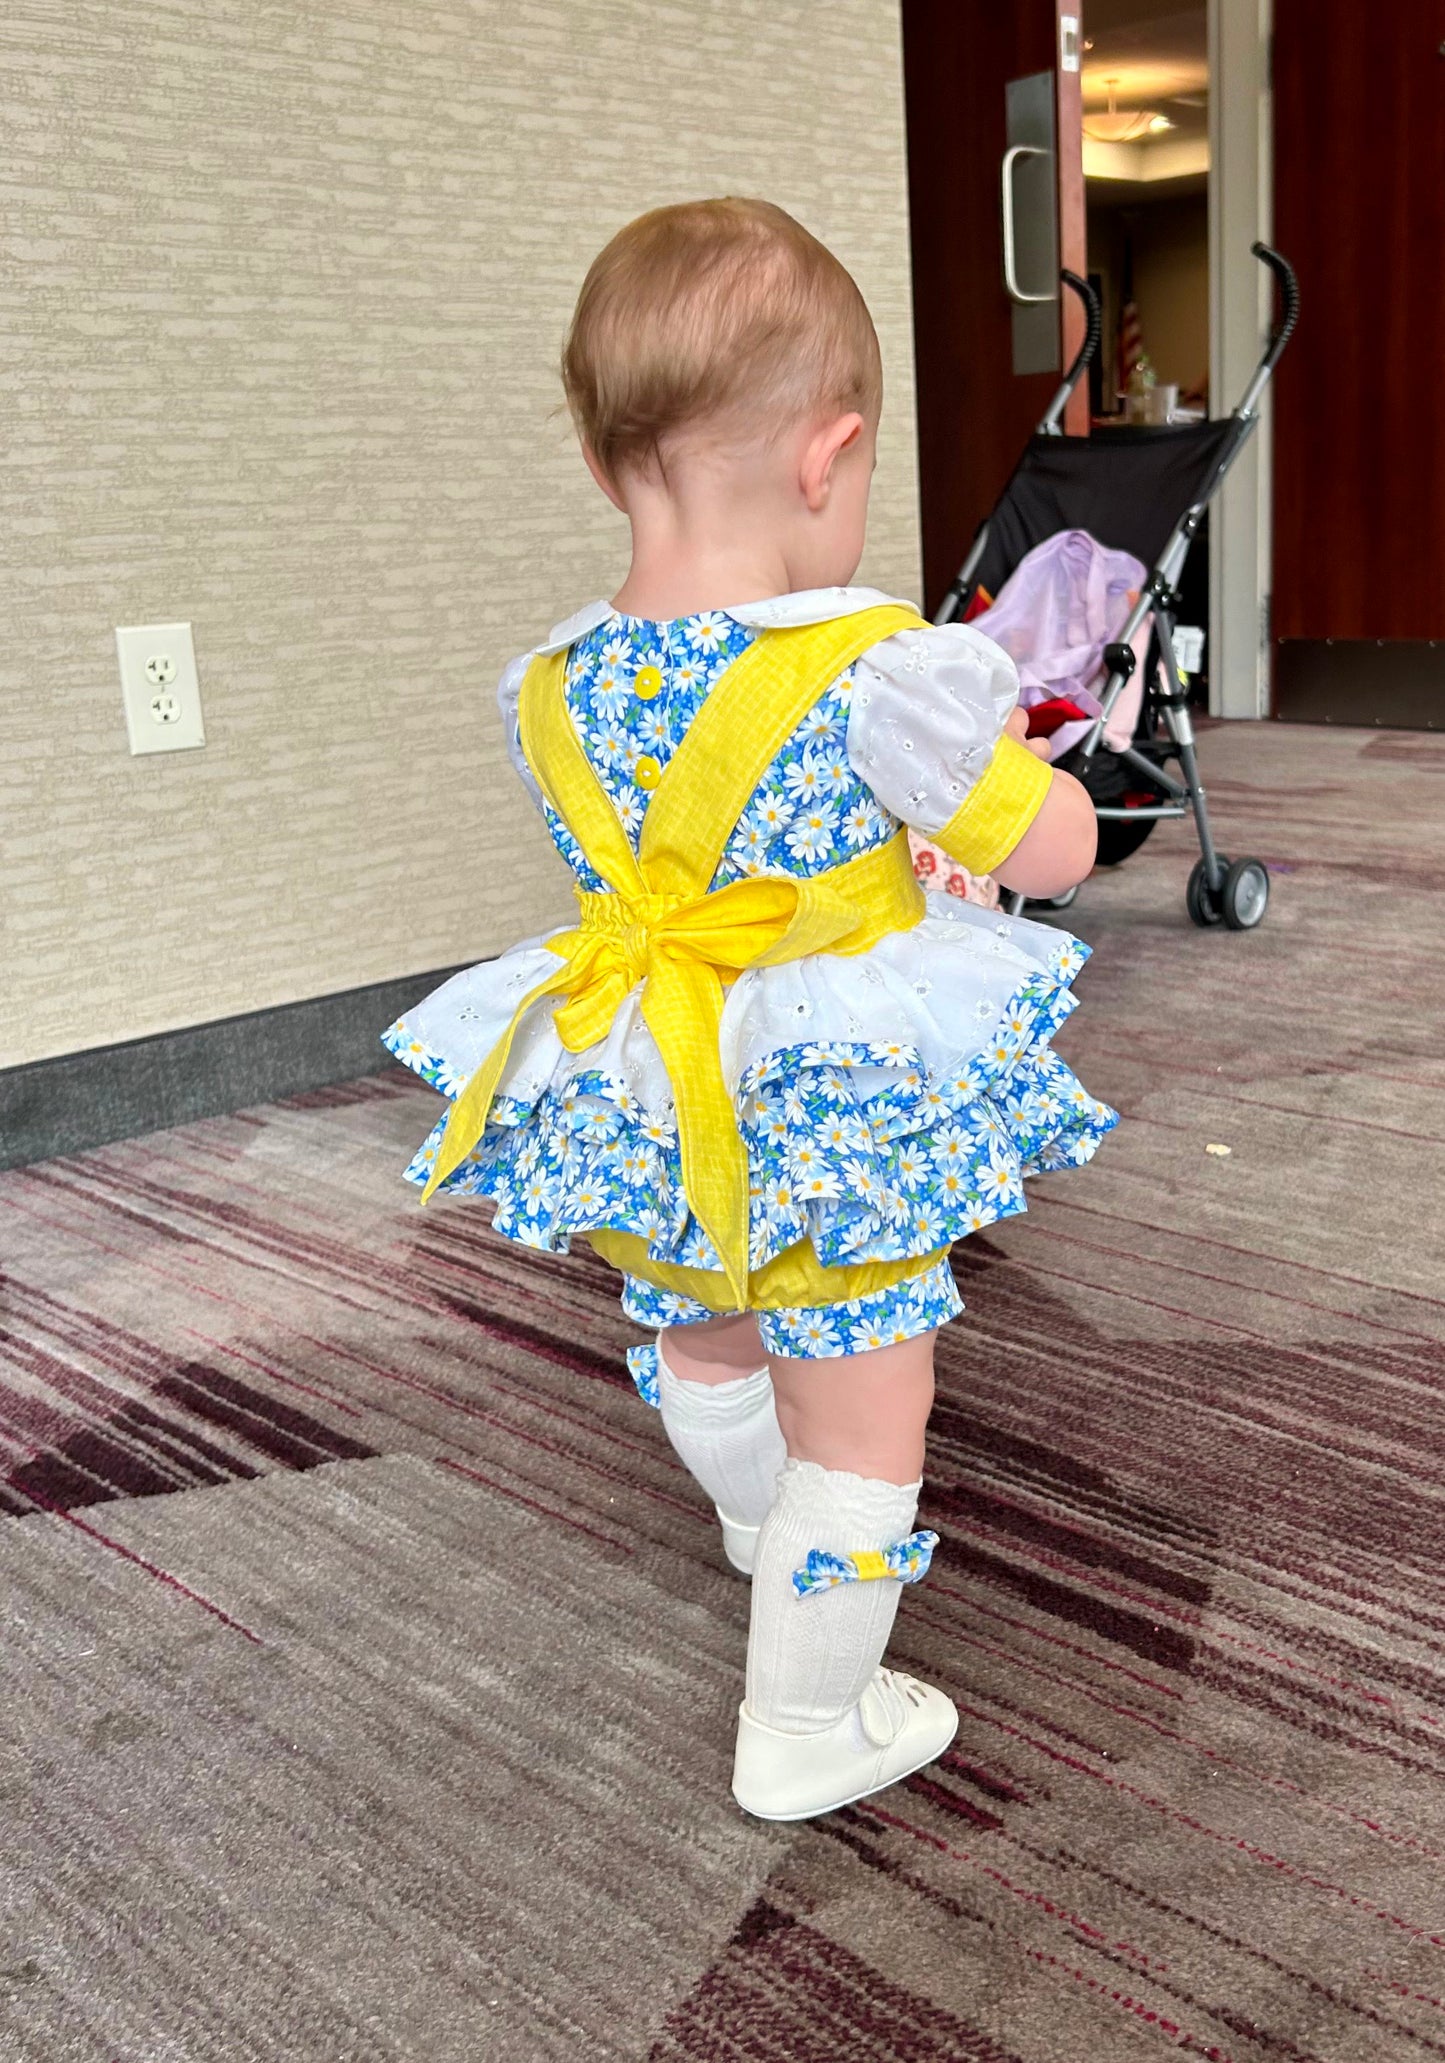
{"x": 1144, "y": 491}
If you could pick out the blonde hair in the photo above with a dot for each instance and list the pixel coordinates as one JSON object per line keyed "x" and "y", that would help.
{"x": 709, "y": 311}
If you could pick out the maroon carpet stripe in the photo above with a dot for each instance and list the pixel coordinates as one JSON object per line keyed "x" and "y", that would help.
{"x": 164, "y": 1576}
{"x": 783, "y": 1988}
{"x": 1123, "y": 2000}
{"x": 1091, "y": 1695}
{"x": 1237, "y": 1844}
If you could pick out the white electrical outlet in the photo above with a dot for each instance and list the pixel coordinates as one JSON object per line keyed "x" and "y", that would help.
{"x": 159, "y": 684}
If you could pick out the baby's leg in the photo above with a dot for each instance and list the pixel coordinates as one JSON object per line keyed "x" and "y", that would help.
{"x": 717, "y": 1350}
{"x": 854, "y": 1427}
{"x": 866, "y": 1413}
{"x": 716, "y": 1397}
{"x": 821, "y": 1723}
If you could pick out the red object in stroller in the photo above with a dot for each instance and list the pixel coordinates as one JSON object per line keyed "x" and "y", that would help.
{"x": 1142, "y": 491}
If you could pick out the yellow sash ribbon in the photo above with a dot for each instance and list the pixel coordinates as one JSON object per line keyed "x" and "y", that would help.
{"x": 663, "y": 929}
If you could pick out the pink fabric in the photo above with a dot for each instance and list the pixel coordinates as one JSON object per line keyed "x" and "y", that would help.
{"x": 1054, "y": 615}
{"x": 941, "y": 875}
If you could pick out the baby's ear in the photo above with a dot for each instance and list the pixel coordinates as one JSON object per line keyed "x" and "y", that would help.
{"x": 595, "y": 468}
{"x": 828, "y": 441}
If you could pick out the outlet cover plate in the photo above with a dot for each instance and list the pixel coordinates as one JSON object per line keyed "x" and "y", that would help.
{"x": 159, "y": 684}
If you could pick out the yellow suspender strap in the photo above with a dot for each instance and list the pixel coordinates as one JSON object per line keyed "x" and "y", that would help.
{"x": 567, "y": 777}
{"x": 748, "y": 717}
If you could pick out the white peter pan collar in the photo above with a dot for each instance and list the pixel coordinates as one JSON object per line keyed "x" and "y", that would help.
{"x": 782, "y": 612}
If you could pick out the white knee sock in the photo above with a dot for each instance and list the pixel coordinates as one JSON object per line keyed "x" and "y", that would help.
{"x": 726, "y": 1435}
{"x": 810, "y": 1659}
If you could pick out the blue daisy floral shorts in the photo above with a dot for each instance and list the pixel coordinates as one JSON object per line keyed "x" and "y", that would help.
{"x": 819, "y": 1332}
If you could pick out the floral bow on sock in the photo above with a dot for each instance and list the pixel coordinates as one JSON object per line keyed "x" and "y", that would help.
{"x": 908, "y": 1560}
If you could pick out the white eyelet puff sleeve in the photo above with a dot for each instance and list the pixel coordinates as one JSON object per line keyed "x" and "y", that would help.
{"x": 509, "y": 697}
{"x": 927, "y": 710}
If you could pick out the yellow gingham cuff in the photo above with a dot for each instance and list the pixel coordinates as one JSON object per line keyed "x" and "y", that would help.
{"x": 998, "y": 809}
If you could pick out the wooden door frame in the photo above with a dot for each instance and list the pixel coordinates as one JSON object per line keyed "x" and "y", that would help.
{"x": 974, "y": 413}
{"x": 1241, "y": 208}
{"x": 1073, "y": 211}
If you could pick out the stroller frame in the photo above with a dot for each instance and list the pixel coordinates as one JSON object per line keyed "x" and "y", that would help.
{"x": 1235, "y": 892}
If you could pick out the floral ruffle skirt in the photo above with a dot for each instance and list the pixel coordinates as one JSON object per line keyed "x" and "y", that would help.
{"x": 863, "y": 1145}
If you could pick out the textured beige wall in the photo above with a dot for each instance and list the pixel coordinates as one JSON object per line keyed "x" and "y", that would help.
{"x": 285, "y": 288}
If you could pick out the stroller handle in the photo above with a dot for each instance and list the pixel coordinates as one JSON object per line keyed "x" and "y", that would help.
{"x": 1052, "y": 423}
{"x": 1289, "y": 297}
{"x": 1094, "y": 319}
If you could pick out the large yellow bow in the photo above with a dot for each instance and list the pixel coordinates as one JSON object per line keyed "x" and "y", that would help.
{"x": 623, "y": 941}
{"x": 685, "y": 951}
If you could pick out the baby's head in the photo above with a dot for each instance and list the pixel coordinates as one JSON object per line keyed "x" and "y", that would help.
{"x": 722, "y": 365}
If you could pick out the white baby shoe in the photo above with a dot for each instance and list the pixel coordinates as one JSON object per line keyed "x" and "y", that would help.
{"x": 740, "y": 1543}
{"x": 898, "y": 1725}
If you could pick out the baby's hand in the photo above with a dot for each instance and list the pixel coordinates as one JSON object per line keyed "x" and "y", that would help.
{"x": 1018, "y": 727}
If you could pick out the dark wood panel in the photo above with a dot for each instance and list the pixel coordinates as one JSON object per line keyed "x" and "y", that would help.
{"x": 1359, "y": 472}
{"x": 973, "y": 412}
{"x": 1398, "y": 683}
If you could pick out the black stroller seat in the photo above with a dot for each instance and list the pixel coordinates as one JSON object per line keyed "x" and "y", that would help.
{"x": 1125, "y": 487}
{"x": 1144, "y": 491}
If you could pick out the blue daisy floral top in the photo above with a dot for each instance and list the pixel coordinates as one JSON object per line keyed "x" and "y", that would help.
{"x": 634, "y": 687}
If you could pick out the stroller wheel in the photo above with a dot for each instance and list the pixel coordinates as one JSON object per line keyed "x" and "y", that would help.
{"x": 1203, "y": 907}
{"x": 1245, "y": 894}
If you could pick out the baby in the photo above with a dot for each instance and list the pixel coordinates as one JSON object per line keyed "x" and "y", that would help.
{"x": 762, "y": 1076}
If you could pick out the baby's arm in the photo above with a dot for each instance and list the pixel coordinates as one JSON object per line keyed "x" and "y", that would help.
{"x": 935, "y": 732}
{"x": 1057, "y": 850}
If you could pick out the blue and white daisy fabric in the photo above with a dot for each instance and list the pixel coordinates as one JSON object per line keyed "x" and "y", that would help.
{"x": 892, "y": 1101}
{"x": 634, "y": 687}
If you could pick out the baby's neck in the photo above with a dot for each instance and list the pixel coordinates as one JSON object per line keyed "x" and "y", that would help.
{"x": 662, "y": 586}
{"x": 700, "y": 541}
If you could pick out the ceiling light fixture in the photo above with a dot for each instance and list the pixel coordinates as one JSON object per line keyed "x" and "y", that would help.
{"x": 1113, "y": 127}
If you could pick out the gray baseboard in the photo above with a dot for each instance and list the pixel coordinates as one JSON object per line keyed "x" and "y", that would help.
{"x": 78, "y": 1100}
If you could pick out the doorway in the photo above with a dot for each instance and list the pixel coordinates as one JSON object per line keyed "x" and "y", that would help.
{"x": 1358, "y": 618}
{"x": 1146, "y": 183}
{"x": 975, "y": 410}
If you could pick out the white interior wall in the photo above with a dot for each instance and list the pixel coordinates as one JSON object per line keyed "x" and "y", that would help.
{"x": 1240, "y": 289}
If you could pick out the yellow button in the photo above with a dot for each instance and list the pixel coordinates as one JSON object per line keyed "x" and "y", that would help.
{"x": 646, "y": 682}
{"x": 648, "y": 773}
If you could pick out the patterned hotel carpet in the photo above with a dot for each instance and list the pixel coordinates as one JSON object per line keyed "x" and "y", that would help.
{"x": 368, "y": 1663}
